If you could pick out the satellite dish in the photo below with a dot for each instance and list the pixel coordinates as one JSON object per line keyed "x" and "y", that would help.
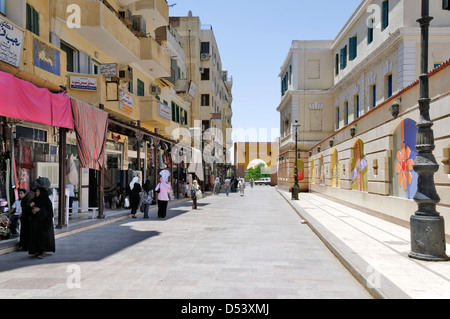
{"x": 190, "y": 13}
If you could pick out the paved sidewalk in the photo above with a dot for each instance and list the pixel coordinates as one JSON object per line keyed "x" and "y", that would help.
{"x": 83, "y": 221}
{"x": 373, "y": 249}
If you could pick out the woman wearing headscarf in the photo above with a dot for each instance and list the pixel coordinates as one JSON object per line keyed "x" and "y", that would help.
{"x": 42, "y": 235}
{"x": 194, "y": 190}
{"x": 135, "y": 196}
{"x": 147, "y": 196}
{"x": 217, "y": 186}
{"x": 163, "y": 189}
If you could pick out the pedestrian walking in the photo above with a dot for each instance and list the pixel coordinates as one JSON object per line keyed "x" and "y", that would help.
{"x": 42, "y": 235}
{"x": 216, "y": 186}
{"x": 163, "y": 189}
{"x": 135, "y": 196}
{"x": 194, "y": 190}
{"x": 241, "y": 186}
{"x": 147, "y": 197}
{"x": 227, "y": 185}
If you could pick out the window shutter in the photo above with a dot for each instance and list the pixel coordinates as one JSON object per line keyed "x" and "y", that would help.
{"x": 385, "y": 19}
{"x": 353, "y": 48}
{"x": 185, "y": 118}
{"x": 3, "y": 6}
{"x": 84, "y": 62}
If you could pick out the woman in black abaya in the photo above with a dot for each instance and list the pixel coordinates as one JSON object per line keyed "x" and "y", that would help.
{"x": 42, "y": 235}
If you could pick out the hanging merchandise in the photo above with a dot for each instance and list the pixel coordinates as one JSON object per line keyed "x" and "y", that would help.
{"x": 72, "y": 173}
{"x": 8, "y": 179}
{"x": 14, "y": 180}
{"x": 24, "y": 178}
{"x": 26, "y": 158}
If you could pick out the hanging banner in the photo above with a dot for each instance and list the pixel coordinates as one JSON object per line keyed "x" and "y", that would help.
{"x": 125, "y": 101}
{"x": 46, "y": 57}
{"x": 11, "y": 43}
{"x": 109, "y": 70}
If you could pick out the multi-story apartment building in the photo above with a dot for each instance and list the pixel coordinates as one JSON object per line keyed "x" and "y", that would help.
{"x": 118, "y": 56}
{"x": 211, "y": 107}
{"x": 336, "y": 90}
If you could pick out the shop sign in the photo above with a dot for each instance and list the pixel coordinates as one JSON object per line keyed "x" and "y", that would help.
{"x": 11, "y": 43}
{"x": 46, "y": 57}
{"x": 83, "y": 83}
{"x": 192, "y": 89}
{"x": 108, "y": 70}
{"x": 164, "y": 111}
{"x": 125, "y": 101}
{"x": 216, "y": 116}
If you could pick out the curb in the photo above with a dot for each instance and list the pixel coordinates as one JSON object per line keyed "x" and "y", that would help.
{"x": 353, "y": 263}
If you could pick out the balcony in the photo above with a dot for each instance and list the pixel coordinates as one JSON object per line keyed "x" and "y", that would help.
{"x": 103, "y": 28}
{"x": 154, "y": 113}
{"x": 182, "y": 89}
{"x": 156, "y": 12}
{"x": 154, "y": 58}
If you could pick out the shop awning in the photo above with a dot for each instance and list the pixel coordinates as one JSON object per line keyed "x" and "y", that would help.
{"x": 91, "y": 128}
{"x": 23, "y": 100}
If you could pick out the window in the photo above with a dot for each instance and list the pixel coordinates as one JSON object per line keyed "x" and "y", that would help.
{"x": 205, "y": 75}
{"x": 72, "y": 57}
{"x": 346, "y": 113}
{"x": 373, "y": 95}
{"x": 95, "y": 67}
{"x": 172, "y": 104}
{"x": 185, "y": 118}
{"x": 204, "y": 47}
{"x": 388, "y": 85}
{"x": 343, "y": 57}
{"x": 130, "y": 84}
{"x": 446, "y": 4}
{"x": 3, "y": 6}
{"x": 385, "y": 15}
{"x": 32, "y": 20}
{"x": 140, "y": 88}
{"x": 205, "y": 100}
{"x": 356, "y": 104}
{"x": 370, "y": 31}
{"x": 337, "y": 118}
{"x": 353, "y": 48}
{"x": 337, "y": 64}
{"x": 31, "y": 133}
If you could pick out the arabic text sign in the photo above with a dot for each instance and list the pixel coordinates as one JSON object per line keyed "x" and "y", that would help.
{"x": 126, "y": 101}
{"x": 108, "y": 70}
{"x": 83, "y": 83}
{"x": 11, "y": 42}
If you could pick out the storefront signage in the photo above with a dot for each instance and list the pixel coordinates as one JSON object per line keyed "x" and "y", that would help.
{"x": 46, "y": 57}
{"x": 125, "y": 101}
{"x": 108, "y": 70}
{"x": 11, "y": 43}
{"x": 216, "y": 116}
{"x": 83, "y": 83}
{"x": 164, "y": 111}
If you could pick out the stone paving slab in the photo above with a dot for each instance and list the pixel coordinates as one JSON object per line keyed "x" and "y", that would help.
{"x": 373, "y": 249}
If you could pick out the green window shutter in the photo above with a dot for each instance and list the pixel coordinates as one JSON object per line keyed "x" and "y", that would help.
{"x": 29, "y": 17}
{"x": 32, "y": 19}
{"x": 140, "y": 88}
{"x": 185, "y": 118}
{"x": 177, "y": 114}
{"x": 385, "y": 15}
{"x": 173, "y": 111}
{"x": 343, "y": 57}
{"x": 353, "y": 48}
{"x": 337, "y": 64}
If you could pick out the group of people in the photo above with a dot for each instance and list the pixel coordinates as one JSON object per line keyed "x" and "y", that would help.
{"x": 230, "y": 185}
{"x": 146, "y": 196}
{"x": 34, "y": 211}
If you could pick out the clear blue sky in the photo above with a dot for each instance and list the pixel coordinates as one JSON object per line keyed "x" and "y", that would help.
{"x": 254, "y": 38}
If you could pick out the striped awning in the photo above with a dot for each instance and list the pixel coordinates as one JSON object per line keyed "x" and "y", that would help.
{"x": 91, "y": 128}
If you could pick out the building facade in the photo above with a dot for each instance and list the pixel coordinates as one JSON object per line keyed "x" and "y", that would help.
{"x": 336, "y": 90}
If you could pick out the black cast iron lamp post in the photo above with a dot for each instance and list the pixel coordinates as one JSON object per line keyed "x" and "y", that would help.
{"x": 427, "y": 226}
{"x": 295, "y": 188}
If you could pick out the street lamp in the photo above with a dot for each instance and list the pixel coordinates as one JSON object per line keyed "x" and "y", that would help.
{"x": 427, "y": 226}
{"x": 295, "y": 188}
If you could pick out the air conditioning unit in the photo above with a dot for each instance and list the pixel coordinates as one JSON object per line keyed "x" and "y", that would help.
{"x": 139, "y": 24}
{"x": 126, "y": 15}
{"x": 202, "y": 70}
{"x": 204, "y": 56}
{"x": 126, "y": 75}
{"x": 155, "y": 90}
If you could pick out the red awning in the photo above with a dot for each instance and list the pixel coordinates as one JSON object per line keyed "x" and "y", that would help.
{"x": 23, "y": 100}
{"x": 91, "y": 127}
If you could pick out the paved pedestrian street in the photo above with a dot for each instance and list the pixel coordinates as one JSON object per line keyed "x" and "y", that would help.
{"x": 250, "y": 247}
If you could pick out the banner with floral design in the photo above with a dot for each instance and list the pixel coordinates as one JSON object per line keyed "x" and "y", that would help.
{"x": 404, "y": 178}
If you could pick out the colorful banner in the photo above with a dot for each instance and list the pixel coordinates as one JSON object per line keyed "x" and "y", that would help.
{"x": 404, "y": 178}
{"x": 359, "y": 168}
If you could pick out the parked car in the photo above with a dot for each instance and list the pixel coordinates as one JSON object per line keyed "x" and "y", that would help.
{"x": 263, "y": 181}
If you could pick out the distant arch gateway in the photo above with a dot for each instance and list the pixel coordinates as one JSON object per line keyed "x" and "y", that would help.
{"x": 247, "y": 152}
